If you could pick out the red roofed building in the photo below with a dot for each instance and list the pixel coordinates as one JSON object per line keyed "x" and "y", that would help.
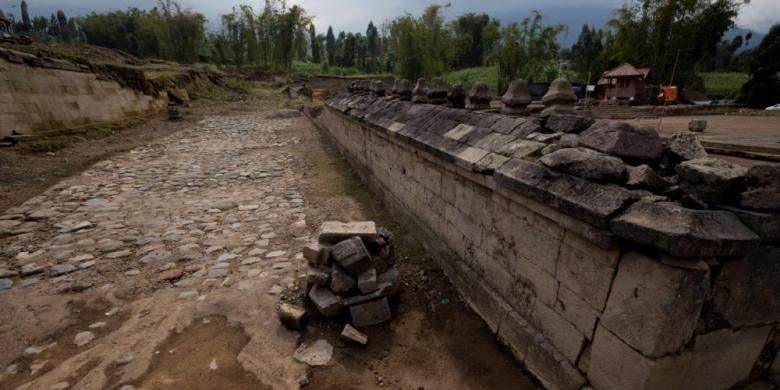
{"x": 624, "y": 82}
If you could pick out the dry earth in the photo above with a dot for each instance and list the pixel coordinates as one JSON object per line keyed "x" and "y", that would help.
{"x": 160, "y": 268}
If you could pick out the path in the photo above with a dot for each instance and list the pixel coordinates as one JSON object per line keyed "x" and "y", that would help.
{"x": 197, "y": 234}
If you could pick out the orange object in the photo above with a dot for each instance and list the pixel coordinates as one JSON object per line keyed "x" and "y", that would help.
{"x": 669, "y": 93}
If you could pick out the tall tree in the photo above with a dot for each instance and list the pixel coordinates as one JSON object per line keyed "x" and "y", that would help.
{"x": 315, "y": 44}
{"x": 763, "y": 88}
{"x": 25, "y": 17}
{"x": 330, "y": 46}
{"x": 473, "y": 35}
{"x": 372, "y": 47}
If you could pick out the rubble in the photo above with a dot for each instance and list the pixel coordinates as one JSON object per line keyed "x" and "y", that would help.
{"x": 292, "y": 316}
{"x": 351, "y": 334}
{"x": 370, "y": 313}
{"x": 317, "y": 354}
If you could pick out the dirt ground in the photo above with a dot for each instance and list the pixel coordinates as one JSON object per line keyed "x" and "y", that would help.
{"x": 146, "y": 336}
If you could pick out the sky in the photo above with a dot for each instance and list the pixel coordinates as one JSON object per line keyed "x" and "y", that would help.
{"x": 353, "y": 15}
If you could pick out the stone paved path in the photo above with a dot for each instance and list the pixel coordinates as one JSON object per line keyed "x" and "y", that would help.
{"x": 212, "y": 210}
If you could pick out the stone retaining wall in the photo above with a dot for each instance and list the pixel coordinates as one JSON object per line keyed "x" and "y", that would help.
{"x": 544, "y": 260}
{"x": 39, "y": 96}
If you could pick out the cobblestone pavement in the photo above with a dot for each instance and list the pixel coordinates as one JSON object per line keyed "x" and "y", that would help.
{"x": 210, "y": 215}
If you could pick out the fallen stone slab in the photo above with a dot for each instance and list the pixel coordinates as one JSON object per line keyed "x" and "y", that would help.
{"x": 349, "y": 333}
{"x": 370, "y": 313}
{"x": 762, "y": 192}
{"x": 623, "y": 140}
{"x": 317, "y": 354}
{"x": 326, "y": 302}
{"x": 579, "y": 198}
{"x": 568, "y": 123}
{"x": 685, "y": 232}
{"x": 292, "y": 316}
{"x": 587, "y": 164}
{"x": 710, "y": 179}
{"x": 352, "y": 255}
{"x": 334, "y": 231}
{"x": 382, "y": 290}
{"x": 766, "y": 225}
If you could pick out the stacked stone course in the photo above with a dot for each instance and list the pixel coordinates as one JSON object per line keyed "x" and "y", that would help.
{"x": 596, "y": 252}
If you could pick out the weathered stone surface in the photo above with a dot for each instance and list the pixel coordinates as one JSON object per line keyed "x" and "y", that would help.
{"x": 560, "y": 332}
{"x": 316, "y": 253}
{"x": 370, "y": 313}
{"x": 457, "y": 97}
{"x": 684, "y": 232}
{"x": 623, "y": 140}
{"x": 390, "y": 277}
{"x": 377, "y": 88}
{"x": 516, "y": 98}
{"x": 317, "y": 276}
{"x": 437, "y": 91}
{"x": 520, "y": 148}
{"x": 766, "y": 225}
{"x": 352, "y": 255}
{"x": 559, "y": 99}
{"x": 697, "y": 125}
{"x": 763, "y": 188}
{"x": 747, "y": 291}
{"x": 340, "y": 281}
{"x": 420, "y": 91}
{"x": 568, "y": 123}
{"x": 334, "y": 231}
{"x": 383, "y": 290}
{"x": 685, "y": 146}
{"x": 349, "y": 333}
{"x": 317, "y": 354}
{"x": 367, "y": 281}
{"x": 83, "y": 338}
{"x": 710, "y": 179}
{"x": 591, "y": 202}
{"x": 292, "y": 316}
{"x": 615, "y": 366}
{"x": 645, "y": 177}
{"x": 479, "y": 97}
{"x": 326, "y": 302}
{"x": 405, "y": 90}
{"x": 550, "y": 367}
{"x": 723, "y": 358}
{"x": 61, "y": 269}
{"x": 655, "y": 307}
{"x": 586, "y": 163}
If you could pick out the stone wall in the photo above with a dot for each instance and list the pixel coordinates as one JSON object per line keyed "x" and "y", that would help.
{"x": 587, "y": 283}
{"x": 37, "y": 95}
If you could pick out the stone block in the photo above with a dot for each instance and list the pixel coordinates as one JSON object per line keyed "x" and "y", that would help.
{"x": 326, "y": 302}
{"x": 710, "y": 179}
{"x": 520, "y": 148}
{"x": 623, "y": 140}
{"x": 349, "y": 333}
{"x": 527, "y": 274}
{"x": 766, "y": 225}
{"x": 655, "y": 307}
{"x": 316, "y": 253}
{"x": 685, "y": 146}
{"x": 561, "y": 333}
{"x": 367, "y": 281}
{"x": 352, "y": 255}
{"x": 574, "y": 309}
{"x": 317, "y": 276}
{"x": 568, "y": 123}
{"x": 334, "y": 231}
{"x": 684, "y": 232}
{"x": 616, "y": 366}
{"x": 390, "y": 277}
{"x": 516, "y": 333}
{"x": 490, "y": 306}
{"x": 587, "y": 164}
{"x": 370, "y": 313}
{"x": 588, "y": 277}
{"x": 725, "y": 357}
{"x": 551, "y": 368}
{"x": 747, "y": 291}
{"x": 340, "y": 281}
{"x": 292, "y": 316}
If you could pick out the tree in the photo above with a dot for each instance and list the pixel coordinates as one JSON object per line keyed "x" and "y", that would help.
{"x": 330, "y": 46}
{"x": 25, "y": 17}
{"x": 763, "y": 88}
{"x": 371, "y": 47}
{"x": 473, "y": 36}
{"x": 421, "y": 45}
{"x": 587, "y": 54}
{"x": 315, "y": 45}
{"x": 671, "y": 36}
{"x": 527, "y": 50}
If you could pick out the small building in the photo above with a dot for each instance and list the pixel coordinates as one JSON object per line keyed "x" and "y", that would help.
{"x": 625, "y": 82}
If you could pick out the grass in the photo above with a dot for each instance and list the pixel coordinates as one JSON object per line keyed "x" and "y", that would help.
{"x": 723, "y": 84}
{"x": 305, "y": 70}
{"x": 469, "y": 76}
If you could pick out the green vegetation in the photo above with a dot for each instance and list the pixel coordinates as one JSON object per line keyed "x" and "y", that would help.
{"x": 723, "y": 84}
{"x": 468, "y": 77}
{"x": 763, "y": 88}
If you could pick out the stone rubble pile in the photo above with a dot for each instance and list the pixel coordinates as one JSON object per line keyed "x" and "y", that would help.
{"x": 351, "y": 269}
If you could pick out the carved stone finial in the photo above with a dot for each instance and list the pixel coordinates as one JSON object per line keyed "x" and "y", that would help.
{"x": 394, "y": 89}
{"x": 479, "y": 97}
{"x": 405, "y": 90}
{"x": 377, "y": 88}
{"x": 516, "y": 99}
{"x": 437, "y": 91}
{"x": 457, "y": 96}
{"x": 559, "y": 99}
{"x": 420, "y": 91}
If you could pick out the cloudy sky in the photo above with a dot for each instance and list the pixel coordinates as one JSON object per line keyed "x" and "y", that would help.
{"x": 353, "y": 15}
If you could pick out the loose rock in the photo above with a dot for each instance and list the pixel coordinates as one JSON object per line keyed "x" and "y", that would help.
{"x": 292, "y": 316}
{"x": 349, "y": 333}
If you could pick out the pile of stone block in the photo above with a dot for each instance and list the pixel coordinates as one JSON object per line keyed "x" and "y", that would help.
{"x": 352, "y": 269}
